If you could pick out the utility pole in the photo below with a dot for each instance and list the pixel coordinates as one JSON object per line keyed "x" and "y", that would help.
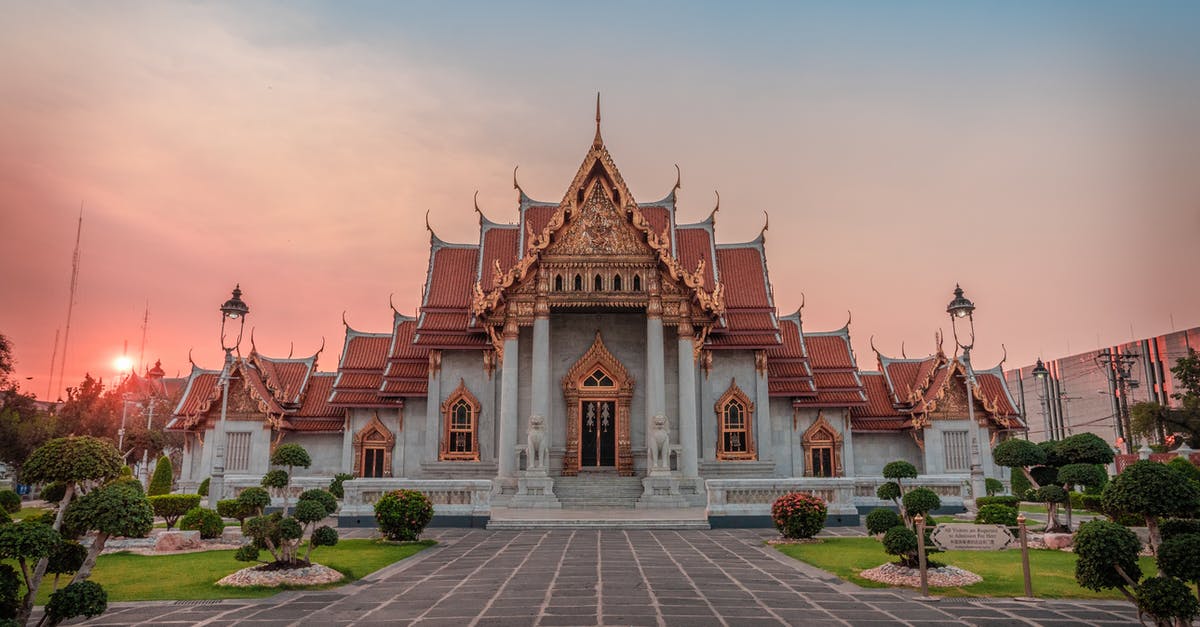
{"x": 1118, "y": 366}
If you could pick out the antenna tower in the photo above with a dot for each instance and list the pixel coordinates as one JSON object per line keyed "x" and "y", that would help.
{"x": 71, "y": 300}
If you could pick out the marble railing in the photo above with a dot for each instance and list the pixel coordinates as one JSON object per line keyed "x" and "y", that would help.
{"x": 728, "y": 497}
{"x": 234, "y": 484}
{"x": 951, "y": 488}
{"x": 449, "y": 496}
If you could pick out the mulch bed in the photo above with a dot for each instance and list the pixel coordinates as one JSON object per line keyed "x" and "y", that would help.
{"x": 942, "y": 577}
{"x": 269, "y": 575}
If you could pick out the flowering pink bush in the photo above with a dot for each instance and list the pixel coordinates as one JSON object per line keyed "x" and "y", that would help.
{"x": 798, "y": 515}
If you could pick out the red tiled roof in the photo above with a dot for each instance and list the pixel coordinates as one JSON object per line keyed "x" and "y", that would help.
{"x": 995, "y": 391}
{"x": 658, "y": 217}
{"x": 201, "y": 391}
{"x": 316, "y": 425}
{"x": 499, "y": 244}
{"x": 365, "y": 350}
{"x": 451, "y": 277}
{"x": 397, "y": 387}
{"x": 537, "y": 217}
{"x": 765, "y": 339}
{"x": 879, "y": 400}
{"x": 836, "y": 380}
{"x": 744, "y": 275}
{"x": 695, "y": 244}
{"x": 828, "y": 351}
{"x": 254, "y": 384}
{"x": 402, "y": 341}
{"x": 316, "y": 398}
{"x": 407, "y": 368}
{"x": 880, "y": 424}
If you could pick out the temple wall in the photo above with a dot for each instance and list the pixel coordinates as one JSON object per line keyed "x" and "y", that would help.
{"x": 727, "y": 366}
{"x": 358, "y": 420}
{"x": 873, "y": 450}
{"x": 325, "y": 449}
{"x": 412, "y": 438}
{"x": 468, "y": 366}
{"x": 789, "y": 456}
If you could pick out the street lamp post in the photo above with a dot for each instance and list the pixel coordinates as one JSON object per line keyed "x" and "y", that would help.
{"x": 961, "y": 308}
{"x": 233, "y": 310}
{"x": 145, "y": 469}
{"x": 1043, "y": 375}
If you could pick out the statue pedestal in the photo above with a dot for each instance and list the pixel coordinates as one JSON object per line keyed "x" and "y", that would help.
{"x": 535, "y": 489}
{"x": 660, "y": 489}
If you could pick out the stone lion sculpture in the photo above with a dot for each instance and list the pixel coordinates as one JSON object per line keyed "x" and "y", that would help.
{"x": 660, "y": 443}
{"x": 537, "y": 444}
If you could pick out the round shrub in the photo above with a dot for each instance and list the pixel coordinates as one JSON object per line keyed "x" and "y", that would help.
{"x": 1007, "y": 501}
{"x": 1179, "y": 556}
{"x": 291, "y": 455}
{"x": 66, "y": 557}
{"x": 247, "y": 553}
{"x": 1045, "y": 475}
{"x": 1185, "y": 468}
{"x": 53, "y": 492}
{"x": 10, "y": 592}
{"x": 170, "y": 507}
{"x": 204, "y": 520}
{"x": 1018, "y": 453}
{"x": 290, "y": 528}
{"x": 889, "y": 491}
{"x": 1087, "y": 475}
{"x": 309, "y": 511}
{"x": 115, "y": 509}
{"x": 902, "y": 542}
{"x": 203, "y": 489}
{"x": 798, "y": 515}
{"x": 82, "y": 598}
{"x": 128, "y": 482}
{"x": 900, "y": 470}
{"x": 327, "y": 500}
{"x": 10, "y": 501}
{"x": 921, "y": 501}
{"x": 403, "y": 514}
{"x": 1090, "y": 502}
{"x": 1050, "y": 494}
{"x": 275, "y": 479}
{"x": 233, "y": 508}
{"x": 1166, "y": 598}
{"x": 324, "y": 536}
{"x": 881, "y": 519}
{"x": 993, "y": 486}
{"x": 257, "y": 499}
{"x": 996, "y": 515}
{"x": 1099, "y": 546}
{"x": 1150, "y": 489}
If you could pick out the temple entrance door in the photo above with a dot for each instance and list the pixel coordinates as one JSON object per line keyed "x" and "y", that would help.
{"x": 598, "y": 434}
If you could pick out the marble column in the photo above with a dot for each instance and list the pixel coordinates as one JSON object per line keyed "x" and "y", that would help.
{"x": 847, "y": 445}
{"x": 688, "y": 436}
{"x": 509, "y": 374}
{"x": 656, "y": 392}
{"x": 348, "y": 446}
{"x": 433, "y": 407}
{"x": 762, "y": 403}
{"x": 540, "y": 388}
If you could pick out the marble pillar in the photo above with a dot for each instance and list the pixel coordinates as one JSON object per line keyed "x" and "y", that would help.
{"x": 433, "y": 407}
{"x": 688, "y": 431}
{"x": 510, "y": 367}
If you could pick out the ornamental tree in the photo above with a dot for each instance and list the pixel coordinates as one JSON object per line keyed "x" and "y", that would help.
{"x": 256, "y": 500}
{"x": 282, "y": 535}
{"x": 164, "y": 475}
{"x": 1021, "y": 455}
{"x": 1177, "y": 557}
{"x": 893, "y": 490}
{"x": 30, "y": 545}
{"x": 290, "y": 455}
{"x": 1088, "y": 475}
{"x": 1151, "y": 490}
{"x": 112, "y": 510}
{"x": 170, "y": 507}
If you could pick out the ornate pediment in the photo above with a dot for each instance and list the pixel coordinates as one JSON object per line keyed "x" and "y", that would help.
{"x": 598, "y": 228}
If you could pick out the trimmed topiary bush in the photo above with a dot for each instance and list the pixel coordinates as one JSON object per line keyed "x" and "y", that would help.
{"x": 164, "y": 476}
{"x": 1104, "y": 549}
{"x": 996, "y": 515}
{"x": 1170, "y": 527}
{"x": 902, "y": 542}
{"x": 798, "y": 515}
{"x": 1179, "y": 556}
{"x": 1091, "y": 502}
{"x": 257, "y": 499}
{"x": 10, "y": 501}
{"x": 1151, "y": 490}
{"x": 82, "y": 598}
{"x": 1167, "y": 599}
{"x": 324, "y": 536}
{"x": 992, "y": 486}
{"x": 203, "y": 489}
{"x": 889, "y": 491}
{"x": 67, "y": 557}
{"x": 921, "y": 501}
{"x": 1185, "y": 468}
{"x": 881, "y": 519}
{"x": 53, "y": 492}
{"x": 204, "y": 520}
{"x": 10, "y": 592}
{"x": 275, "y": 479}
{"x": 403, "y": 514}
{"x": 233, "y": 508}
{"x": 170, "y": 507}
{"x": 1050, "y": 494}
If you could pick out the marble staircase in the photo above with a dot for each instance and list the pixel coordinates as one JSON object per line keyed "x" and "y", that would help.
{"x": 598, "y": 490}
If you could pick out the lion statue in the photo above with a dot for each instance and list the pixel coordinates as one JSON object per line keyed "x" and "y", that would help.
{"x": 660, "y": 443}
{"x": 537, "y": 444}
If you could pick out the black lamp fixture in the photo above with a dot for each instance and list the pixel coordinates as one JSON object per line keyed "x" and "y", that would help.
{"x": 234, "y": 310}
{"x": 1039, "y": 370}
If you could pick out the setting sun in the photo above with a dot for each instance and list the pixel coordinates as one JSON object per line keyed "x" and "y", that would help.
{"x": 123, "y": 363}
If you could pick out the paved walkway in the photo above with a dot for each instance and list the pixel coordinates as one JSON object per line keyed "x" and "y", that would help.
{"x": 609, "y": 577}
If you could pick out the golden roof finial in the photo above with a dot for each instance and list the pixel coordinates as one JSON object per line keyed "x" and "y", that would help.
{"x": 597, "y": 142}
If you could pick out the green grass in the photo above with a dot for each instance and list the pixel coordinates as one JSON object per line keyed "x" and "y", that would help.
{"x": 1053, "y": 572}
{"x": 1036, "y": 508}
{"x": 28, "y": 512}
{"x": 130, "y": 577}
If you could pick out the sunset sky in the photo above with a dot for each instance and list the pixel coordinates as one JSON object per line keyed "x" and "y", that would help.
{"x": 1046, "y": 156}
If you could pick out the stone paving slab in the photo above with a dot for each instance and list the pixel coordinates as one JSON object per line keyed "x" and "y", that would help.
{"x": 726, "y": 578}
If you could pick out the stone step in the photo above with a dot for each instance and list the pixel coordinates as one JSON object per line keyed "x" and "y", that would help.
{"x": 631, "y": 523}
{"x": 578, "y": 502}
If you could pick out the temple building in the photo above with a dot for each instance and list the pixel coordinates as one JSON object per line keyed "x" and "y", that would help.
{"x": 599, "y": 352}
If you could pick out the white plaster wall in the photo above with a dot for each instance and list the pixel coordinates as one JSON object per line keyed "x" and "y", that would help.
{"x": 726, "y": 365}
{"x": 414, "y": 436}
{"x": 789, "y": 456}
{"x": 872, "y": 451}
{"x": 325, "y": 449}
{"x": 468, "y": 366}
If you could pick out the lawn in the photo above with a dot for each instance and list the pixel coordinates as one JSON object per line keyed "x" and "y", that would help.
{"x": 1053, "y": 572}
{"x": 28, "y": 512}
{"x": 130, "y": 577}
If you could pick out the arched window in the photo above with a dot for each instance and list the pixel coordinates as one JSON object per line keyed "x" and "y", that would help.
{"x": 822, "y": 449}
{"x": 578, "y": 283}
{"x": 373, "y": 450}
{"x": 598, "y": 379}
{"x": 599, "y": 284}
{"x": 460, "y": 415}
{"x": 558, "y": 283}
{"x": 735, "y": 420}
{"x": 617, "y": 283}
{"x": 637, "y": 282}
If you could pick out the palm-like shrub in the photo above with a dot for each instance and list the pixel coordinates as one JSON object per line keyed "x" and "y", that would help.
{"x": 798, "y": 515}
{"x": 403, "y": 514}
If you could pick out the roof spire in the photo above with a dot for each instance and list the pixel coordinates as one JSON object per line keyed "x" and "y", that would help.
{"x": 598, "y": 141}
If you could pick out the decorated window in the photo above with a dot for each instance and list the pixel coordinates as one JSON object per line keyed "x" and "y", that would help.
{"x": 598, "y": 379}
{"x": 578, "y": 283}
{"x": 822, "y": 449}
{"x": 637, "y": 282}
{"x": 238, "y": 458}
{"x": 558, "y": 283}
{"x": 735, "y": 417}
{"x": 460, "y": 414}
{"x": 957, "y": 451}
{"x": 373, "y": 450}
{"x": 617, "y": 283}
{"x": 599, "y": 283}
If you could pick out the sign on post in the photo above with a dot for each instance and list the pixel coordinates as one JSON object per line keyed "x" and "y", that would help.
{"x": 971, "y": 537}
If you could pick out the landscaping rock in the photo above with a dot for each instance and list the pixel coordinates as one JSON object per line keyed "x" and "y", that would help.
{"x": 1058, "y": 541}
{"x": 177, "y": 541}
{"x": 943, "y": 577}
{"x": 312, "y": 575}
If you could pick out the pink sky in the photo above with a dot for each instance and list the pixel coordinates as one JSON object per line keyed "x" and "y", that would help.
{"x": 297, "y": 153}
